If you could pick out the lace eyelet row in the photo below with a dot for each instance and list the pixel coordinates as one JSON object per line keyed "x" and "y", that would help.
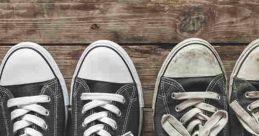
{"x": 47, "y": 114}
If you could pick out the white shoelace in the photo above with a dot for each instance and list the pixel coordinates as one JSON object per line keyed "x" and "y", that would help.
{"x": 195, "y": 117}
{"x": 250, "y": 123}
{"x": 23, "y": 106}
{"x": 103, "y": 100}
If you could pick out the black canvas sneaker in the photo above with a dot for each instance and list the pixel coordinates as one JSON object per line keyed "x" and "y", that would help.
{"x": 33, "y": 93}
{"x": 244, "y": 92}
{"x": 106, "y": 94}
{"x": 190, "y": 95}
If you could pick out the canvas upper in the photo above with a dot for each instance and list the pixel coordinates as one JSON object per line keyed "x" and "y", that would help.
{"x": 190, "y": 95}
{"x": 106, "y": 95}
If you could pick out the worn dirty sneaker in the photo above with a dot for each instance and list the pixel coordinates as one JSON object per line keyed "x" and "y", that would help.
{"x": 190, "y": 96}
{"x": 244, "y": 93}
{"x": 33, "y": 94}
{"x": 106, "y": 94}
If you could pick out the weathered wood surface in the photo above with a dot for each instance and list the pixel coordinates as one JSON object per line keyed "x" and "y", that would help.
{"x": 129, "y": 21}
{"x": 147, "y": 58}
{"x": 145, "y": 28}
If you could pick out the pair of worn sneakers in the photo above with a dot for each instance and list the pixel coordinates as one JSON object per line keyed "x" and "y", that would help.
{"x": 192, "y": 97}
{"x": 106, "y": 97}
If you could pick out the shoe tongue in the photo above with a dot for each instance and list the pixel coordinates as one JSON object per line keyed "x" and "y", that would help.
{"x": 104, "y": 87}
{"x": 246, "y": 85}
{"x": 255, "y": 84}
{"x": 26, "y": 89}
{"x": 195, "y": 84}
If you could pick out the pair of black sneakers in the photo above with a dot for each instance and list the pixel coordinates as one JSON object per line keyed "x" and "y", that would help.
{"x": 106, "y": 98}
{"x": 192, "y": 97}
{"x": 106, "y": 95}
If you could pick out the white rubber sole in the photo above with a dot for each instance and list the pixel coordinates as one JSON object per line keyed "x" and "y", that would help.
{"x": 174, "y": 51}
{"x": 239, "y": 62}
{"x": 128, "y": 61}
{"x": 50, "y": 61}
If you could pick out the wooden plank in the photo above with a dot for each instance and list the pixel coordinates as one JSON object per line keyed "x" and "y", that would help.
{"x": 148, "y": 123}
{"x": 147, "y": 59}
{"x": 131, "y": 21}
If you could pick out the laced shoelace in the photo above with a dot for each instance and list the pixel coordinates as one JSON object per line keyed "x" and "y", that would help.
{"x": 24, "y": 107}
{"x": 196, "y": 117}
{"x": 250, "y": 123}
{"x": 103, "y": 100}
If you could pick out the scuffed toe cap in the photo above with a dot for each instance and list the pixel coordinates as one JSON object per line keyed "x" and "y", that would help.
{"x": 194, "y": 60}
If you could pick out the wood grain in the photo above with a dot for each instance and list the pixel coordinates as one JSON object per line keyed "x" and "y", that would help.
{"x": 147, "y": 30}
{"x": 130, "y": 21}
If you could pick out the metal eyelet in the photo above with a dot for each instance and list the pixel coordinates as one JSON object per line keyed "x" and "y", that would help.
{"x": 249, "y": 108}
{"x": 246, "y": 94}
{"x": 47, "y": 113}
{"x": 173, "y": 95}
{"x": 119, "y": 114}
{"x": 83, "y": 125}
{"x": 177, "y": 108}
{"x": 45, "y": 127}
{"x": 115, "y": 127}
{"x": 124, "y": 101}
{"x": 219, "y": 97}
{"x": 49, "y": 99}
